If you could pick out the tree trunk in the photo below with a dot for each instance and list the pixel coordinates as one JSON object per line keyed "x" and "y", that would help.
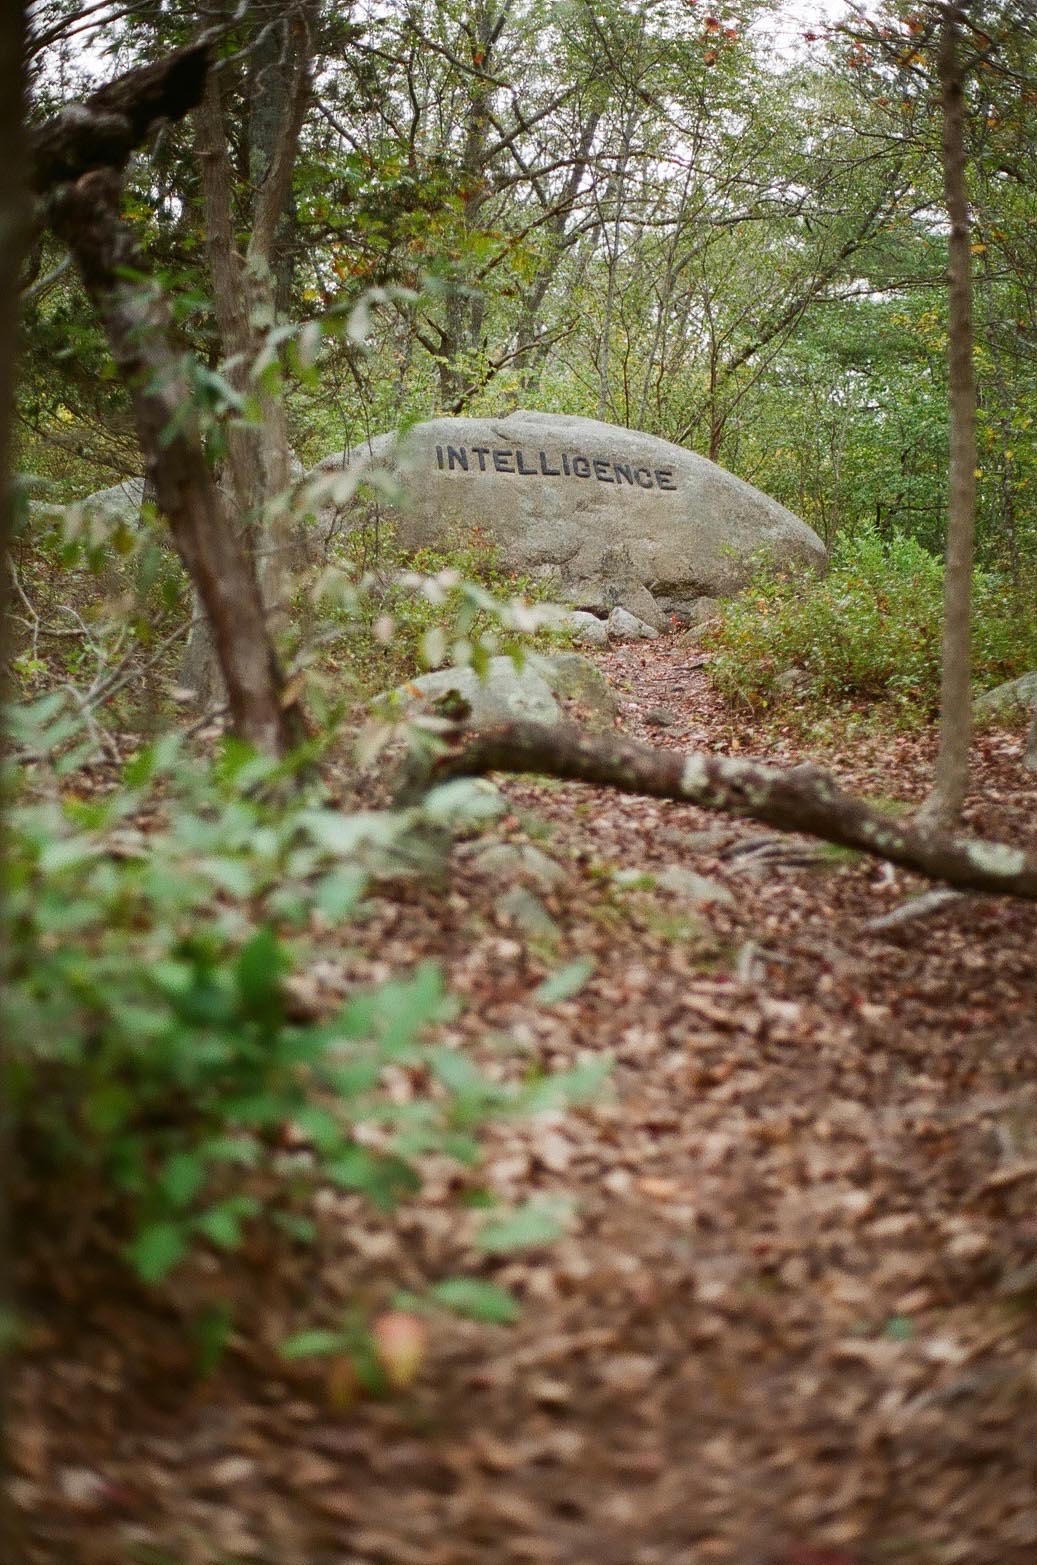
{"x": 804, "y": 800}
{"x": 951, "y": 779}
{"x": 139, "y": 327}
{"x": 616, "y": 188}
{"x": 462, "y": 316}
{"x": 249, "y": 291}
{"x": 14, "y": 237}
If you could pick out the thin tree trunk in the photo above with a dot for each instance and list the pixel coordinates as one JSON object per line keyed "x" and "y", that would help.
{"x": 247, "y": 289}
{"x": 951, "y": 778}
{"x": 282, "y": 84}
{"x": 462, "y": 315}
{"x": 612, "y": 247}
{"x": 14, "y": 236}
{"x": 139, "y": 326}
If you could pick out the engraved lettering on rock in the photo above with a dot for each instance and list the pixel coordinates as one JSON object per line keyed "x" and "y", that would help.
{"x": 537, "y": 464}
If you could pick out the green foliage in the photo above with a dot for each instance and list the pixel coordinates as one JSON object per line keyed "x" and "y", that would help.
{"x": 868, "y": 632}
{"x": 476, "y": 1298}
{"x": 154, "y": 1061}
{"x": 566, "y": 982}
{"x": 449, "y": 606}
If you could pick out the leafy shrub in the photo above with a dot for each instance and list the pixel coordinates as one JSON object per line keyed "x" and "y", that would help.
{"x": 439, "y": 606}
{"x": 154, "y": 1062}
{"x": 869, "y": 632}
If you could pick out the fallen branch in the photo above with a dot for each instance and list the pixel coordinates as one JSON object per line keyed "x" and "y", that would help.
{"x": 806, "y": 800}
{"x": 919, "y": 907}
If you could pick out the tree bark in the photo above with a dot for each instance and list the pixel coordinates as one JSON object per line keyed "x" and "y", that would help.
{"x": 14, "y": 241}
{"x": 139, "y": 329}
{"x": 248, "y": 290}
{"x": 105, "y": 128}
{"x": 951, "y": 778}
{"x": 806, "y": 800}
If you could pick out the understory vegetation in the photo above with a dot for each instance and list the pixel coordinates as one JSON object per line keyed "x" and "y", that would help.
{"x": 160, "y": 1054}
{"x": 864, "y": 640}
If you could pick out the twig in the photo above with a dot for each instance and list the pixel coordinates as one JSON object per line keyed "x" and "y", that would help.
{"x": 918, "y": 907}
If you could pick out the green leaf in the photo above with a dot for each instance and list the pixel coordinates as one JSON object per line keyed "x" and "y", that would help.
{"x": 563, "y": 984}
{"x": 409, "y": 1006}
{"x": 899, "y": 1328}
{"x": 346, "y": 833}
{"x": 182, "y": 1177}
{"x": 479, "y": 1199}
{"x": 221, "y": 1224}
{"x": 524, "y": 1228}
{"x": 582, "y": 1083}
{"x": 212, "y": 1332}
{"x": 235, "y": 876}
{"x": 296, "y": 1227}
{"x": 312, "y": 1344}
{"x": 151, "y": 761}
{"x": 339, "y": 893}
{"x": 476, "y": 1299}
{"x": 157, "y": 1249}
{"x": 383, "y": 1179}
{"x": 108, "y": 1108}
{"x": 257, "y": 974}
{"x": 455, "y": 1070}
{"x": 319, "y": 1125}
{"x": 433, "y": 647}
{"x": 462, "y": 801}
{"x": 67, "y": 853}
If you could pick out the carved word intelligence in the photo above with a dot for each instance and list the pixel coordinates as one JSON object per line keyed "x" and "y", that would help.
{"x": 463, "y": 459}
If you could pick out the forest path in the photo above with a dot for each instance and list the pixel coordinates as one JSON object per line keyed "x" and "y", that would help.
{"x": 792, "y": 1321}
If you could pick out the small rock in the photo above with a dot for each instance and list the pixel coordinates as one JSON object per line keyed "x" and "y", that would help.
{"x": 1015, "y": 693}
{"x": 623, "y": 626}
{"x": 691, "y": 887}
{"x": 507, "y": 861}
{"x": 791, "y": 679}
{"x": 575, "y": 679}
{"x": 552, "y": 1393}
{"x": 586, "y": 628}
{"x": 637, "y": 600}
{"x": 528, "y": 914}
{"x": 506, "y": 692}
{"x": 25, "y": 1496}
{"x": 660, "y": 717}
{"x": 692, "y": 612}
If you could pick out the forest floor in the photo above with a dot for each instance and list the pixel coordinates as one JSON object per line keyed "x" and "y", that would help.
{"x": 794, "y": 1317}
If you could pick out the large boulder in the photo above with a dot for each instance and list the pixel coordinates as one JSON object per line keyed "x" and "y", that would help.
{"x": 537, "y": 692}
{"x": 120, "y": 503}
{"x": 599, "y": 509}
{"x": 1009, "y": 697}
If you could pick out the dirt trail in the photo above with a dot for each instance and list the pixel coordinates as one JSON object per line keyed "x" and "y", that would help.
{"x": 794, "y": 1319}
